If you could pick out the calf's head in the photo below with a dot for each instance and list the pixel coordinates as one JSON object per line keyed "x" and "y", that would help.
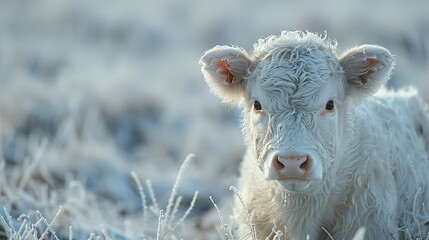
{"x": 296, "y": 93}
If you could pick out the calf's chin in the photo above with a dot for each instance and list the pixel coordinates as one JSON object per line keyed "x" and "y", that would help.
{"x": 294, "y": 186}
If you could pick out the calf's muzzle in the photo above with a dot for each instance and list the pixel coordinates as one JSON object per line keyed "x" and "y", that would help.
{"x": 292, "y": 166}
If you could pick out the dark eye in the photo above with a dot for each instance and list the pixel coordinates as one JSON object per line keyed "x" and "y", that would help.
{"x": 329, "y": 105}
{"x": 257, "y": 106}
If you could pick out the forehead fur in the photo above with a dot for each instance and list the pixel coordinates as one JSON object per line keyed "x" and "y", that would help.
{"x": 293, "y": 68}
{"x": 291, "y": 40}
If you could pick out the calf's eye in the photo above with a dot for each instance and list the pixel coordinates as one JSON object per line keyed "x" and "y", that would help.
{"x": 329, "y": 105}
{"x": 257, "y": 106}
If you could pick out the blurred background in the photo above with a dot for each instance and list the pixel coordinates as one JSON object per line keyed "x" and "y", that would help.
{"x": 91, "y": 91}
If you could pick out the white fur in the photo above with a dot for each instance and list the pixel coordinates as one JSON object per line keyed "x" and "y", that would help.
{"x": 371, "y": 151}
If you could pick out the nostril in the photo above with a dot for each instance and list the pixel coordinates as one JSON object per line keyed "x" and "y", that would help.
{"x": 305, "y": 165}
{"x": 278, "y": 165}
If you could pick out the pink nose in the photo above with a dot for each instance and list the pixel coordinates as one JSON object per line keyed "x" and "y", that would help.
{"x": 292, "y": 166}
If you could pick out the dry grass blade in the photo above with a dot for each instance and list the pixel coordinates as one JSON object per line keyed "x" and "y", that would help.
{"x": 160, "y": 222}
{"x": 5, "y": 226}
{"x": 194, "y": 199}
{"x": 176, "y": 186}
{"x": 33, "y": 163}
{"x": 249, "y": 221}
{"x": 154, "y": 206}
{"x": 143, "y": 198}
{"x": 225, "y": 227}
{"x": 175, "y": 208}
{"x": 49, "y": 225}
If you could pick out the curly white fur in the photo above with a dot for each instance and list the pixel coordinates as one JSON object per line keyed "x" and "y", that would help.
{"x": 371, "y": 150}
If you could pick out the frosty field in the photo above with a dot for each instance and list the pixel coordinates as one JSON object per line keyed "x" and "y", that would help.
{"x": 99, "y": 98}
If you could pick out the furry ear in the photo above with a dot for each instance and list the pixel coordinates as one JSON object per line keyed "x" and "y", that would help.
{"x": 367, "y": 68}
{"x": 225, "y": 70}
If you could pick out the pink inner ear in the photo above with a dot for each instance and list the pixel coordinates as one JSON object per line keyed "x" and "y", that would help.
{"x": 224, "y": 70}
{"x": 371, "y": 64}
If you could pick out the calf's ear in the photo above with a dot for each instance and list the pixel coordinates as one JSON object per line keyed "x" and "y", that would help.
{"x": 367, "y": 68}
{"x": 225, "y": 69}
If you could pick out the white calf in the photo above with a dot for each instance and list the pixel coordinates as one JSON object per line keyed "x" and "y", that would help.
{"x": 324, "y": 154}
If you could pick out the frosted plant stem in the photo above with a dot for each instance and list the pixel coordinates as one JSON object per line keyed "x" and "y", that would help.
{"x": 4, "y": 223}
{"x": 152, "y": 196}
{"x": 9, "y": 219}
{"x": 143, "y": 198}
{"x": 25, "y": 219}
{"x": 271, "y": 234}
{"x": 225, "y": 227}
{"x": 49, "y": 225}
{"x": 91, "y": 236}
{"x": 274, "y": 232}
{"x": 194, "y": 199}
{"x": 329, "y": 235}
{"x": 21, "y": 229}
{"x": 245, "y": 235}
{"x": 33, "y": 230}
{"x": 160, "y": 221}
{"x": 175, "y": 209}
{"x": 249, "y": 221}
{"x": 278, "y": 236}
{"x": 176, "y": 186}
{"x": 33, "y": 163}
{"x": 105, "y": 232}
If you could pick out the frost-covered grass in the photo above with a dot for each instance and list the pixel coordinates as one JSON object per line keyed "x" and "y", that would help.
{"x": 33, "y": 225}
{"x": 99, "y": 98}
